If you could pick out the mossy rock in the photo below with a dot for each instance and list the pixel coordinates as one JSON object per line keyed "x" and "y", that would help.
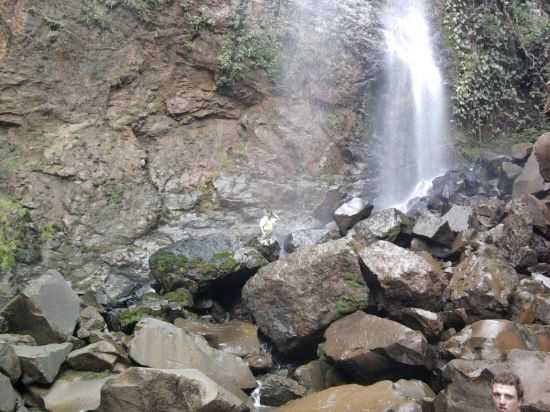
{"x": 347, "y": 304}
{"x": 180, "y": 296}
{"x": 18, "y": 238}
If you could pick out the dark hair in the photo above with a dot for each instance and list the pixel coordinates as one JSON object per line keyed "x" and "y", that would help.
{"x": 511, "y": 379}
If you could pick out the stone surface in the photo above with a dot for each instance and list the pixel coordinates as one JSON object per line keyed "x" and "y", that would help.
{"x": 278, "y": 390}
{"x": 434, "y": 228}
{"x": 430, "y": 324}
{"x": 296, "y": 297}
{"x": 9, "y": 362}
{"x": 318, "y": 375}
{"x": 368, "y": 346}
{"x": 406, "y": 278}
{"x": 386, "y": 224}
{"x": 351, "y": 212}
{"x": 531, "y": 302}
{"x": 167, "y": 390}
{"x": 41, "y": 363}
{"x": 381, "y": 397}
{"x": 97, "y": 357}
{"x": 236, "y": 337}
{"x": 8, "y": 396}
{"x": 90, "y": 321}
{"x": 16, "y": 339}
{"x": 520, "y": 151}
{"x": 483, "y": 286}
{"x": 306, "y": 237}
{"x": 489, "y": 212}
{"x": 542, "y": 154}
{"x": 73, "y": 391}
{"x": 48, "y": 309}
{"x": 161, "y": 345}
{"x": 530, "y": 180}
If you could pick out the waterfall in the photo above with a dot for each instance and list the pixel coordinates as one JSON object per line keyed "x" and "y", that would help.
{"x": 410, "y": 125}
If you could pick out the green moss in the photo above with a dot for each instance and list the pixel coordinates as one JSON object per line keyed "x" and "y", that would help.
{"x": 131, "y": 316}
{"x": 14, "y": 221}
{"x": 354, "y": 280}
{"x": 98, "y": 13}
{"x": 180, "y": 296}
{"x": 348, "y": 303}
{"x": 48, "y": 231}
{"x": 167, "y": 262}
{"x": 226, "y": 262}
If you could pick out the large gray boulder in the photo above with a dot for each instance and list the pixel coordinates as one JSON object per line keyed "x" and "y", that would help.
{"x": 167, "y": 390}
{"x": 383, "y": 396}
{"x": 47, "y": 309}
{"x": 97, "y": 357}
{"x": 483, "y": 286}
{"x": 277, "y": 390}
{"x": 295, "y": 298}
{"x": 9, "y": 362}
{"x": 406, "y": 278}
{"x": 161, "y": 345}
{"x": 434, "y": 228}
{"x": 368, "y": 346}
{"x": 42, "y": 363}
{"x": 196, "y": 262}
{"x": 386, "y": 224}
{"x": 351, "y": 212}
{"x": 72, "y": 391}
{"x": 8, "y": 396}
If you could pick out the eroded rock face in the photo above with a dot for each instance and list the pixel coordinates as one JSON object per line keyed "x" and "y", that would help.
{"x": 368, "y": 346}
{"x": 406, "y": 278}
{"x": 143, "y": 390}
{"x": 158, "y": 344}
{"x": 380, "y": 397}
{"x": 483, "y": 286}
{"x": 48, "y": 309}
{"x": 296, "y": 297}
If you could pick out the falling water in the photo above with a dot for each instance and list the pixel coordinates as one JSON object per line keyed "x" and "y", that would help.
{"x": 411, "y": 121}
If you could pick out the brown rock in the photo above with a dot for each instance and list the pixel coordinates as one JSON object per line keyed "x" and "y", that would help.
{"x": 97, "y": 357}
{"x": 295, "y": 298}
{"x": 318, "y": 375}
{"x": 380, "y": 397}
{"x": 236, "y": 337}
{"x": 531, "y": 302}
{"x": 530, "y": 181}
{"x": 405, "y": 277}
{"x": 430, "y": 324}
{"x": 368, "y": 346}
{"x": 483, "y": 286}
{"x": 521, "y": 151}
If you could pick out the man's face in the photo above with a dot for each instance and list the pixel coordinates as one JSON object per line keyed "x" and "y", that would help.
{"x": 505, "y": 398}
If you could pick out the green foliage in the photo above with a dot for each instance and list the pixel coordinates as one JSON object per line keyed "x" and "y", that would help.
{"x": 167, "y": 262}
{"x": 348, "y": 303}
{"x": 48, "y": 231}
{"x": 501, "y": 50}
{"x": 130, "y": 317}
{"x": 97, "y": 13}
{"x": 14, "y": 220}
{"x": 247, "y": 50}
{"x": 180, "y": 296}
{"x": 200, "y": 21}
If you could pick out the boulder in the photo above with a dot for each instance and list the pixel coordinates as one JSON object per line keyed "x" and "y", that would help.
{"x": 542, "y": 154}
{"x": 196, "y": 262}
{"x": 9, "y": 362}
{"x": 509, "y": 173}
{"x": 97, "y": 357}
{"x": 8, "y": 396}
{"x": 278, "y": 390}
{"x": 434, "y": 228}
{"x": 428, "y": 323}
{"x": 459, "y": 218}
{"x": 533, "y": 212}
{"x": 90, "y": 321}
{"x": 167, "y": 390}
{"x": 406, "y": 278}
{"x": 368, "y": 347}
{"x": 41, "y": 363}
{"x": 386, "y": 224}
{"x": 295, "y": 298}
{"x": 306, "y": 237}
{"x": 483, "y": 286}
{"x": 72, "y": 391}
{"x": 259, "y": 362}
{"x": 383, "y": 396}
{"x": 531, "y": 302}
{"x": 489, "y": 212}
{"x": 318, "y": 375}
{"x": 492, "y": 163}
{"x": 161, "y": 345}
{"x": 16, "y": 339}
{"x": 530, "y": 181}
{"x": 47, "y": 309}
{"x": 351, "y": 212}
{"x": 486, "y": 340}
{"x": 235, "y": 337}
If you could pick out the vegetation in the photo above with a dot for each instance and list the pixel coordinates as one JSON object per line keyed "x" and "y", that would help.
{"x": 501, "y": 55}
{"x": 97, "y": 13}
{"x": 350, "y": 303}
{"x": 180, "y": 296}
{"x": 167, "y": 262}
{"x": 130, "y": 317}
{"x": 248, "y": 49}
{"x": 14, "y": 231}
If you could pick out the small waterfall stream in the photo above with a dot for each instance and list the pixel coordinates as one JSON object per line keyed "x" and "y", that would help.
{"x": 411, "y": 118}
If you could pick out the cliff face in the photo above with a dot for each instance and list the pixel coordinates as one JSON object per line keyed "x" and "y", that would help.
{"x": 128, "y": 125}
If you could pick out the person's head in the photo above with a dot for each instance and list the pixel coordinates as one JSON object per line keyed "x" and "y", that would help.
{"x": 507, "y": 392}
